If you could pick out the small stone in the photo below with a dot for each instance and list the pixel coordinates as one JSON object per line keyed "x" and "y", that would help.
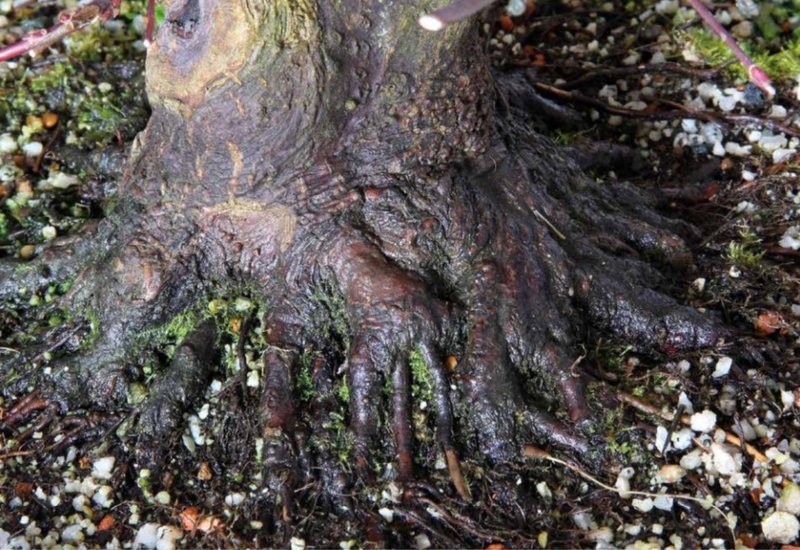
{"x": 745, "y": 207}
{"x": 753, "y": 96}
{"x": 73, "y": 533}
{"x": 670, "y": 473}
{"x": 49, "y": 119}
{"x": 723, "y": 367}
{"x": 167, "y": 536}
{"x": 103, "y": 467}
{"x": 544, "y": 490}
{"x": 692, "y": 460}
{"x": 782, "y": 155}
{"x": 727, "y": 103}
{"x": 642, "y": 504}
{"x": 146, "y": 536}
{"x": 737, "y": 150}
{"x": 704, "y": 421}
{"x": 662, "y": 436}
{"x": 602, "y": 534}
{"x": 724, "y": 461}
{"x": 718, "y": 150}
{"x": 60, "y": 180}
{"x": 163, "y": 497}
{"x": 780, "y": 527}
{"x": 682, "y": 439}
{"x": 297, "y": 543}
{"x": 743, "y": 29}
{"x": 204, "y": 472}
{"x": 8, "y": 144}
{"x": 689, "y": 125}
{"x": 33, "y": 149}
{"x": 582, "y": 521}
{"x": 422, "y": 542}
{"x": 387, "y": 514}
{"x": 777, "y": 111}
{"x": 623, "y": 484}
{"x": 791, "y": 238}
{"x": 769, "y": 143}
{"x": 663, "y": 502}
{"x": 790, "y": 499}
{"x": 234, "y": 499}
{"x": 49, "y": 232}
{"x": 103, "y": 497}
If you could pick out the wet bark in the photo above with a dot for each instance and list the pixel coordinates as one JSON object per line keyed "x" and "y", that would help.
{"x": 299, "y": 146}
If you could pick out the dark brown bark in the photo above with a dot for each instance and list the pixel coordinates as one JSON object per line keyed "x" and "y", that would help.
{"x": 299, "y": 145}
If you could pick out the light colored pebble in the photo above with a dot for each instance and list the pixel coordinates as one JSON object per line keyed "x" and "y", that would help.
{"x": 692, "y": 460}
{"x": 8, "y": 144}
{"x": 146, "y": 536}
{"x": 102, "y": 468}
{"x": 723, "y": 367}
{"x": 682, "y": 439}
{"x": 168, "y": 535}
{"x": 643, "y": 505}
{"x": 780, "y": 156}
{"x": 234, "y": 499}
{"x": 704, "y": 421}
{"x": 663, "y": 502}
{"x": 725, "y": 462}
{"x": 790, "y": 499}
{"x": 670, "y": 473}
{"x": 780, "y": 527}
{"x": 32, "y": 149}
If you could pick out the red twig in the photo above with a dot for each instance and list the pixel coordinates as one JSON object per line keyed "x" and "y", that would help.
{"x": 68, "y": 23}
{"x": 151, "y": 22}
{"x": 754, "y": 72}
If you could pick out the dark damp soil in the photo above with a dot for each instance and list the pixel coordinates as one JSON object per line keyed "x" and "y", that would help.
{"x": 211, "y": 492}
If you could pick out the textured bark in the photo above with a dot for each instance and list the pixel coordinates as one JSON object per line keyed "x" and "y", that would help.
{"x": 299, "y": 146}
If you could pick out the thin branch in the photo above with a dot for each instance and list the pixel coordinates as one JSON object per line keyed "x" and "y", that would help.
{"x": 68, "y": 22}
{"x": 534, "y": 452}
{"x": 151, "y": 22}
{"x": 619, "y": 72}
{"x": 754, "y": 72}
{"x": 680, "y": 112}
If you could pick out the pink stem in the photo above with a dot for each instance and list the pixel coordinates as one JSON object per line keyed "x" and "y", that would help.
{"x": 754, "y": 72}
{"x": 151, "y": 22}
{"x": 68, "y": 23}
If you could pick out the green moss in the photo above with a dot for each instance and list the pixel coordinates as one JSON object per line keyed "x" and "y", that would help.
{"x": 343, "y": 392}
{"x": 335, "y": 323}
{"x": 304, "y": 383}
{"x": 780, "y": 65}
{"x": 747, "y": 253}
{"x": 170, "y": 335}
{"x": 421, "y": 380}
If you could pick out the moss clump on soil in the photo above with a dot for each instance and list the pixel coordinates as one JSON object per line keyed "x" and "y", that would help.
{"x": 780, "y": 65}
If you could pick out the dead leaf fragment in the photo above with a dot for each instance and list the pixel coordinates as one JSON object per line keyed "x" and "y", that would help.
{"x": 107, "y": 523}
{"x": 769, "y": 322}
{"x": 204, "y": 473}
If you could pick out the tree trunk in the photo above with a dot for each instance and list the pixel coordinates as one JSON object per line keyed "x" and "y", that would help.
{"x": 381, "y": 193}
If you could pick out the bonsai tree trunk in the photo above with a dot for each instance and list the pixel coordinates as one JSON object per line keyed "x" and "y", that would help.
{"x": 309, "y": 149}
